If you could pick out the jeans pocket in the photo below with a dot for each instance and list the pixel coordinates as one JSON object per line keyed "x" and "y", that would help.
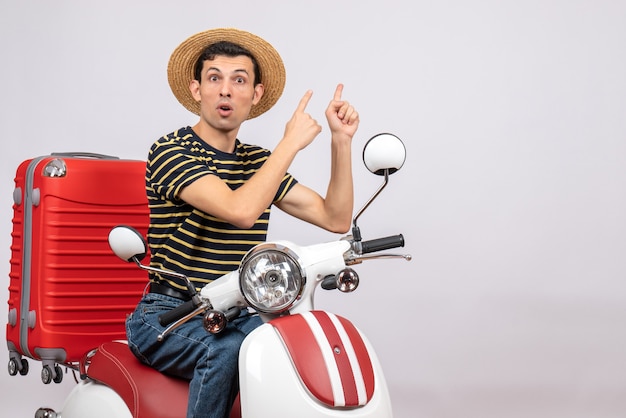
{"x": 143, "y": 327}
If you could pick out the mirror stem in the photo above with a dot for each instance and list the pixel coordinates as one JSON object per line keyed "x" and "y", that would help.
{"x": 190, "y": 287}
{"x": 355, "y": 229}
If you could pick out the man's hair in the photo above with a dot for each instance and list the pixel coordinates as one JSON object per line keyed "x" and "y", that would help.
{"x": 227, "y": 49}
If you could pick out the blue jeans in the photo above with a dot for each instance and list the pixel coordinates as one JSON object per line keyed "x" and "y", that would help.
{"x": 208, "y": 361}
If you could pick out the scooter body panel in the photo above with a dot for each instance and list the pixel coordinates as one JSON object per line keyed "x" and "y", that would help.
{"x": 94, "y": 400}
{"x": 271, "y": 385}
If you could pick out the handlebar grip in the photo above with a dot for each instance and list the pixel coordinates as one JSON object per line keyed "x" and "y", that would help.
{"x": 177, "y": 313}
{"x": 380, "y": 244}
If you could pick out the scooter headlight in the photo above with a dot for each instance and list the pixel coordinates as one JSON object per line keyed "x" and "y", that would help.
{"x": 270, "y": 278}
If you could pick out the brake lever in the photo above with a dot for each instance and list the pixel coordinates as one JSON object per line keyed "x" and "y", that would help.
{"x": 205, "y": 306}
{"x": 360, "y": 258}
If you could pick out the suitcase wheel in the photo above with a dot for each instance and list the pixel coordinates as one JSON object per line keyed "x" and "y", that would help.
{"x": 16, "y": 366}
{"x": 49, "y": 374}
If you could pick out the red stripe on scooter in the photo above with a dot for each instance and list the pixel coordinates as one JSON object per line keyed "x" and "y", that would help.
{"x": 362, "y": 355}
{"x": 346, "y": 373}
{"x": 306, "y": 356}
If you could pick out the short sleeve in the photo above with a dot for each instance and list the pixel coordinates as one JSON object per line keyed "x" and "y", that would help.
{"x": 288, "y": 182}
{"x": 171, "y": 167}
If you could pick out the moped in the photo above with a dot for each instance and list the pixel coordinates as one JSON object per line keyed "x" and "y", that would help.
{"x": 301, "y": 362}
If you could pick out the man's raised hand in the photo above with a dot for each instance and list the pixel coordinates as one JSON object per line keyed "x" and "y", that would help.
{"x": 302, "y": 128}
{"x": 343, "y": 119}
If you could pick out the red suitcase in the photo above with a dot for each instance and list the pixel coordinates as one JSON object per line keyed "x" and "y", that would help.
{"x": 68, "y": 292}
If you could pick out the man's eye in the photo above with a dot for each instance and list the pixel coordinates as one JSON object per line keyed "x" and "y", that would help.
{"x": 213, "y": 78}
{"x": 240, "y": 80}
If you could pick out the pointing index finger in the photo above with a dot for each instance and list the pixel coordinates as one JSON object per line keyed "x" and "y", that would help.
{"x": 338, "y": 92}
{"x": 304, "y": 101}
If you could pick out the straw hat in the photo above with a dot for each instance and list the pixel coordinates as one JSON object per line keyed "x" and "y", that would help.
{"x": 180, "y": 70}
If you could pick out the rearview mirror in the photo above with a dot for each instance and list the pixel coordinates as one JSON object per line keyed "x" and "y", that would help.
{"x": 384, "y": 153}
{"x": 127, "y": 243}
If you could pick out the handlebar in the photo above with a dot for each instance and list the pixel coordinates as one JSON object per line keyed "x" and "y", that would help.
{"x": 380, "y": 244}
{"x": 369, "y": 246}
{"x": 177, "y": 313}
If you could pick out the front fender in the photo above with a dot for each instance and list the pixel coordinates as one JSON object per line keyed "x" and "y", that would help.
{"x": 314, "y": 364}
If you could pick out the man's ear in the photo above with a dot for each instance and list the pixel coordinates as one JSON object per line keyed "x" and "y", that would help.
{"x": 258, "y": 93}
{"x": 194, "y": 88}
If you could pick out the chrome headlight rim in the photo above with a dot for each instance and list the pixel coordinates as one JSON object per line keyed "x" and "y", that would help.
{"x": 260, "y": 250}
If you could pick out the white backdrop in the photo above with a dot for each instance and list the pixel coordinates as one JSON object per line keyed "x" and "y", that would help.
{"x": 512, "y": 200}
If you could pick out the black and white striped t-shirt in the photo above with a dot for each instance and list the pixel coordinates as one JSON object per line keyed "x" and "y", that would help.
{"x": 187, "y": 240}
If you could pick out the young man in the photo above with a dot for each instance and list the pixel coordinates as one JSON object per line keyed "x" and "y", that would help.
{"x": 210, "y": 197}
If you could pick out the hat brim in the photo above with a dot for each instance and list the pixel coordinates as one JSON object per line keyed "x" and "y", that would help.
{"x": 180, "y": 70}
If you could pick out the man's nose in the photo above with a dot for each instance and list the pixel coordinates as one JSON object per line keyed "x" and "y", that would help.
{"x": 225, "y": 89}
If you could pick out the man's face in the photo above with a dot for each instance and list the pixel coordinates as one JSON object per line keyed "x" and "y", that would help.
{"x": 226, "y": 92}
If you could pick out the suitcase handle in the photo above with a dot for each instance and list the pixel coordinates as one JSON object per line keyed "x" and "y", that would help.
{"x": 85, "y": 155}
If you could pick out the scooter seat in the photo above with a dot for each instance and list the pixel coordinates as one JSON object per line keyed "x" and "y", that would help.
{"x": 141, "y": 386}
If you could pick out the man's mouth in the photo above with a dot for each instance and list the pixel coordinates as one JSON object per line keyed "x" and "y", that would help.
{"x": 224, "y": 108}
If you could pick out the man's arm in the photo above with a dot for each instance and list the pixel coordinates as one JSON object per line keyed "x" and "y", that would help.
{"x": 334, "y": 212}
{"x": 243, "y": 206}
